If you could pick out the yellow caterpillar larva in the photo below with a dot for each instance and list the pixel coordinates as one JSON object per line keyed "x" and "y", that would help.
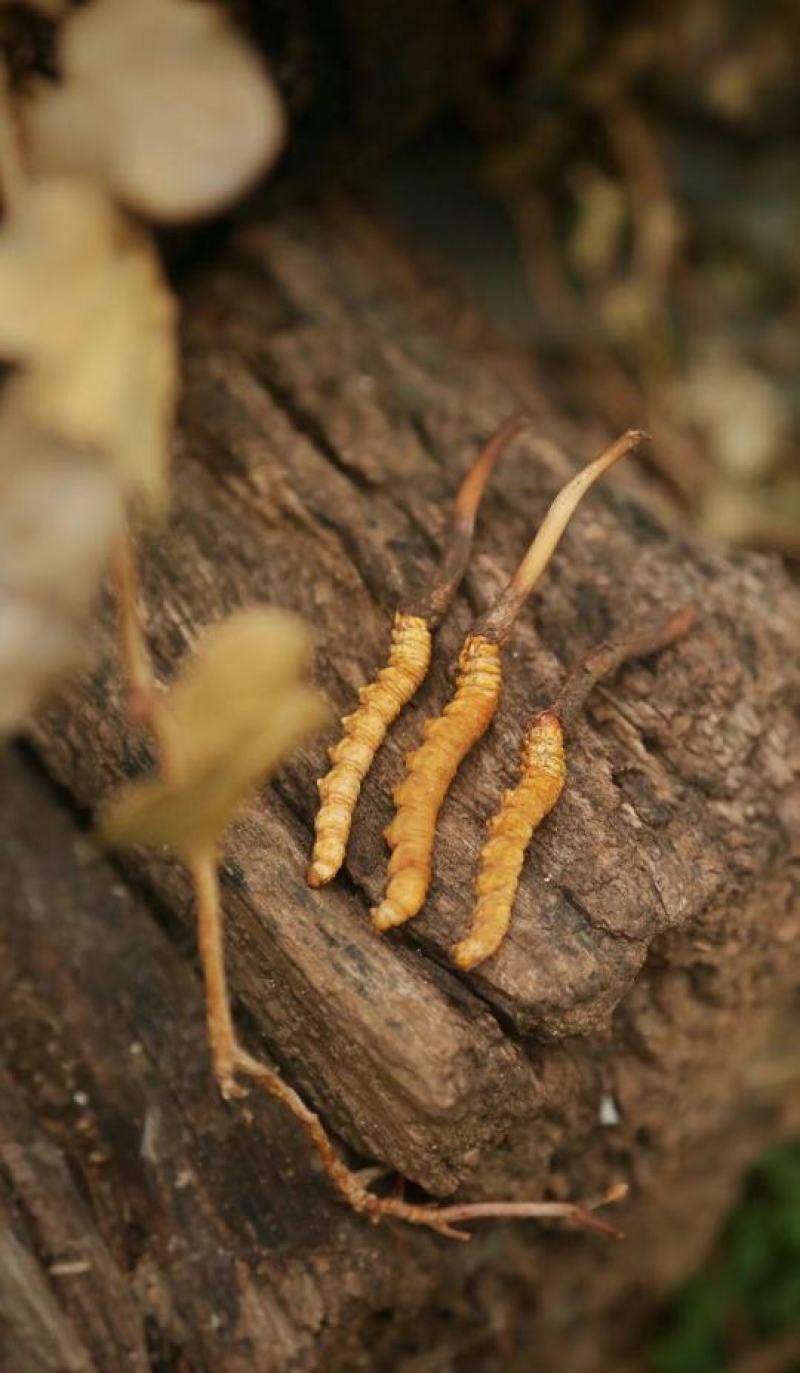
{"x": 379, "y": 704}
{"x": 431, "y": 769}
{"x": 543, "y": 770}
{"x": 384, "y": 698}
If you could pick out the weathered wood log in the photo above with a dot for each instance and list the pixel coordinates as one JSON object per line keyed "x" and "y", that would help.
{"x": 141, "y": 1218}
{"x": 325, "y": 427}
{"x": 145, "y": 1225}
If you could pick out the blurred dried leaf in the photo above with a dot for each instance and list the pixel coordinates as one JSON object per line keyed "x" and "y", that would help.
{"x": 85, "y": 311}
{"x": 238, "y": 707}
{"x": 601, "y": 213}
{"x": 744, "y": 416}
{"x": 60, "y": 510}
{"x": 162, "y": 102}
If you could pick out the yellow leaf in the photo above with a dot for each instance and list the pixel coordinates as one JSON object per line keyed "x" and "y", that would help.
{"x": 162, "y": 102}
{"x": 234, "y": 712}
{"x": 84, "y": 310}
{"x": 239, "y": 668}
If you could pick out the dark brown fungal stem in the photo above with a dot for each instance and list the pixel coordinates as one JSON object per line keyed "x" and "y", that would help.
{"x": 609, "y": 656}
{"x": 432, "y": 605}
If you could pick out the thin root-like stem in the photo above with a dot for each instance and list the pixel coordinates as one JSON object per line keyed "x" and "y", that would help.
{"x": 443, "y": 1219}
{"x": 221, "y": 1034}
{"x": 496, "y": 624}
{"x": 144, "y": 704}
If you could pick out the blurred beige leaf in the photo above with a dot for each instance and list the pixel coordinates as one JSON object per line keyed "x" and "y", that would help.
{"x": 742, "y": 413}
{"x": 597, "y": 235}
{"x": 60, "y": 510}
{"x": 162, "y": 102}
{"x": 238, "y": 707}
{"x": 85, "y": 311}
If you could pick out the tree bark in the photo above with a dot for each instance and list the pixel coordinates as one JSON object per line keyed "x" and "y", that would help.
{"x": 330, "y": 407}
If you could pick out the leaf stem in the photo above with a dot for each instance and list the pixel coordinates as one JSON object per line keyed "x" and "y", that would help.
{"x": 12, "y": 171}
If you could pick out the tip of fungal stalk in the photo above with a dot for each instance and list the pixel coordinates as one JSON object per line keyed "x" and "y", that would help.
{"x": 319, "y": 873}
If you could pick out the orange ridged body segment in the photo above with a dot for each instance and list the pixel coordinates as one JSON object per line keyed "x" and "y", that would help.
{"x": 543, "y": 771}
{"x": 380, "y": 702}
{"x": 431, "y": 769}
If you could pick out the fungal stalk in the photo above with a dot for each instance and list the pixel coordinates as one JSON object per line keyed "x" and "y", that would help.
{"x": 449, "y": 738}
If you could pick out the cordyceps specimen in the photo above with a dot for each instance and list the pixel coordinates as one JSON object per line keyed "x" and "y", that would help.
{"x": 381, "y": 701}
{"x": 449, "y": 738}
{"x": 543, "y": 775}
{"x": 234, "y": 709}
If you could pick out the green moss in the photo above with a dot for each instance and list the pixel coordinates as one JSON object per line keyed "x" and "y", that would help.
{"x": 750, "y": 1290}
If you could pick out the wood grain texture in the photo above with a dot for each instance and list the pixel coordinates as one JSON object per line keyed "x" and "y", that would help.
{"x": 326, "y": 425}
{"x": 147, "y": 1225}
{"x": 147, "y": 1222}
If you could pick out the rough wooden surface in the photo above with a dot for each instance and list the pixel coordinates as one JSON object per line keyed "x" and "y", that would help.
{"x": 148, "y": 1226}
{"x": 325, "y": 428}
{"x": 142, "y": 1214}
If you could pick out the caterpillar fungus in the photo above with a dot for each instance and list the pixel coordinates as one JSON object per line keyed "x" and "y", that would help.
{"x": 381, "y": 701}
{"x": 449, "y": 738}
{"x": 543, "y": 774}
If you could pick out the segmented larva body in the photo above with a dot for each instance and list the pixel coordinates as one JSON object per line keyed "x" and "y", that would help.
{"x": 380, "y": 702}
{"x": 431, "y": 769}
{"x": 543, "y": 769}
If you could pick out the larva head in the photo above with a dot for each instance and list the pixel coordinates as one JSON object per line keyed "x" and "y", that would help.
{"x": 497, "y": 623}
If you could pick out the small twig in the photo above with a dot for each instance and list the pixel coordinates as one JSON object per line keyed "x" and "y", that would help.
{"x": 144, "y": 704}
{"x": 210, "y": 942}
{"x": 443, "y": 1219}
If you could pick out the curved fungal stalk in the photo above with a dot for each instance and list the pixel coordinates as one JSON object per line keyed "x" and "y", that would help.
{"x": 543, "y": 775}
{"x": 448, "y": 739}
{"x": 381, "y": 701}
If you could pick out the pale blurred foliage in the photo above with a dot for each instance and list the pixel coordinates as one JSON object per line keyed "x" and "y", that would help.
{"x": 162, "y": 106}
{"x": 649, "y": 158}
{"x": 60, "y": 511}
{"x": 162, "y": 102}
{"x": 85, "y": 312}
{"x": 238, "y": 707}
{"x": 742, "y": 414}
